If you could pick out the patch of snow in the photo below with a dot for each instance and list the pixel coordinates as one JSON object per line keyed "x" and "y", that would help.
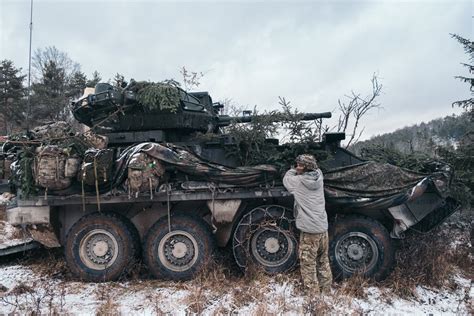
{"x": 6, "y": 198}
{"x": 147, "y": 298}
{"x": 12, "y": 236}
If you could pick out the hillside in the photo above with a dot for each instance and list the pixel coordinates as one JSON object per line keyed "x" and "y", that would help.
{"x": 445, "y": 132}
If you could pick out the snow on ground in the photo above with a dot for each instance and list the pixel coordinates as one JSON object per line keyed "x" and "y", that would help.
{"x": 39, "y": 283}
{"x": 12, "y": 236}
{"x": 22, "y": 290}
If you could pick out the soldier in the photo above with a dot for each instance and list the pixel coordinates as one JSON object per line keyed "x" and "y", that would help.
{"x": 305, "y": 183}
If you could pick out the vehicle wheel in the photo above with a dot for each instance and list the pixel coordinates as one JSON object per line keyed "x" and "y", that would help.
{"x": 180, "y": 253}
{"x": 267, "y": 235}
{"x": 360, "y": 245}
{"x": 101, "y": 247}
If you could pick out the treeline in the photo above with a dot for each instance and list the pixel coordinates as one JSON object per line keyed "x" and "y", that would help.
{"x": 418, "y": 147}
{"x": 55, "y": 80}
{"x": 445, "y": 132}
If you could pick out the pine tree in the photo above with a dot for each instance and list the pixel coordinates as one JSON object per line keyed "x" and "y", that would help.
{"x": 96, "y": 78}
{"x": 54, "y": 72}
{"x": 119, "y": 80}
{"x": 467, "y": 104}
{"x": 12, "y": 93}
{"x": 49, "y": 98}
{"x": 77, "y": 83}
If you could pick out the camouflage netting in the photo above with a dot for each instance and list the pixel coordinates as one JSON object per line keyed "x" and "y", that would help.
{"x": 157, "y": 96}
{"x": 373, "y": 185}
{"x": 62, "y": 134}
{"x": 49, "y": 156}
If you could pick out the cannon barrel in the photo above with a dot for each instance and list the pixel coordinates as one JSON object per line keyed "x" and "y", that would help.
{"x": 225, "y": 120}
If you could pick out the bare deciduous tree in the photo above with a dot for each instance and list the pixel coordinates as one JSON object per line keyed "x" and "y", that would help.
{"x": 191, "y": 79}
{"x": 355, "y": 108}
{"x": 42, "y": 58}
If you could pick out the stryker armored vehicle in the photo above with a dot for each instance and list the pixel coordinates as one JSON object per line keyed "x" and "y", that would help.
{"x": 167, "y": 188}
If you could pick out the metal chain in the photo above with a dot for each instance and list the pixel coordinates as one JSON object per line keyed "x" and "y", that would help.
{"x": 269, "y": 220}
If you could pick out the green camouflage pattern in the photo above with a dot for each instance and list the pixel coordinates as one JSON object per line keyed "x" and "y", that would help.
{"x": 181, "y": 159}
{"x": 314, "y": 263}
{"x": 374, "y": 185}
{"x": 371, "y": 179}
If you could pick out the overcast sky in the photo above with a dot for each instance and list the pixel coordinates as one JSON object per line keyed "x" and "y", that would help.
{"x": 311, "y": 52}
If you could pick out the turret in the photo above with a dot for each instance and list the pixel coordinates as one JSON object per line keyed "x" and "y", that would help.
{"x": 160, "y": 112}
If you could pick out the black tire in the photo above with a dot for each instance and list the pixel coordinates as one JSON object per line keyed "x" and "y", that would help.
{"x": 268, "y": 237}
{"x": 101, "y": 247}
{"x": 360, "y": 244}
{"x": 180, "y": 253}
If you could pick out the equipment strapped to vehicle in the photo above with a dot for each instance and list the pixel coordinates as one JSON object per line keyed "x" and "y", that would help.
{"x": 54, "y": 169}
{"x": 97, "y": 166}
{"x": 144, "y": 173}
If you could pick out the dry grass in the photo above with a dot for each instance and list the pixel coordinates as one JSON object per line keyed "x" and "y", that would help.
{"x": 353, "y": 287}
{"x": 431, "y": 261}
{"x": 317, "y": 306}
{"x": 422, "y": 260}
{"x": 108, "y": 305}
{"x": 37, "y": 299}
{"x": 107, "y": 308}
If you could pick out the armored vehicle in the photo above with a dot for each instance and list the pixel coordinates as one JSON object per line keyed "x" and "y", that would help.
{"x": 163, "y": 185}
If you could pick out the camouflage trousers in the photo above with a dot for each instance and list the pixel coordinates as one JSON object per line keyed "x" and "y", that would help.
{"x": 314, "y": 262}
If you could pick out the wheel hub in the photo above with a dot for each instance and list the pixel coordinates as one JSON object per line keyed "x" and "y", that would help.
{"x": 356, "y": 251}
{"x": 98, "y": 249}
{"x": 179, "y": 250}
{"x": 271, "y": 246}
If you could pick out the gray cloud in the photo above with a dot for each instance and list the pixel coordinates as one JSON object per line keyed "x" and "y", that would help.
{"x": 310, "y": 52}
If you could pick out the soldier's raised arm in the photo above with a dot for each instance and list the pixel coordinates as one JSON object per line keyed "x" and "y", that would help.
{"x": 291, "y": 180}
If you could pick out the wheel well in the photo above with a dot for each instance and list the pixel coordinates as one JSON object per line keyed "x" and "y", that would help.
{"x": 381, "y": 216}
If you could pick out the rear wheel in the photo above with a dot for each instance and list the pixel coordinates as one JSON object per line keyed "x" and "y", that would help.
{"x": 266, "y": 236}
{"x": 101, "y": 247}
{"x": 181, "y": 252}
{"x": 360, "y": 245}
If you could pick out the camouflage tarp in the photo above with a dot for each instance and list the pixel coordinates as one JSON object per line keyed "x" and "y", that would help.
{"x": 373, "y": 185}
{"x": 193, "y": 166}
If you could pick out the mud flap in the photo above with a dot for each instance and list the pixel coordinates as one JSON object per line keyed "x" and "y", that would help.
{"x": 33, "y": 237}
{"x": 44, "y": 235}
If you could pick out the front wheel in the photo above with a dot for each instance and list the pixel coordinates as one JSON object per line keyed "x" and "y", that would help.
{"x": 179, "y": 253}
{"x": 360, "y": 245}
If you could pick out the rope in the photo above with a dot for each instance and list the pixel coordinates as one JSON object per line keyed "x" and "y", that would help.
{"x": 168, "y": 193}
{"x": 212, "y": 188}
{"x": 96, "y": 183}
{"x": 83, "y": 194}
{"x": 151, "y": 188}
